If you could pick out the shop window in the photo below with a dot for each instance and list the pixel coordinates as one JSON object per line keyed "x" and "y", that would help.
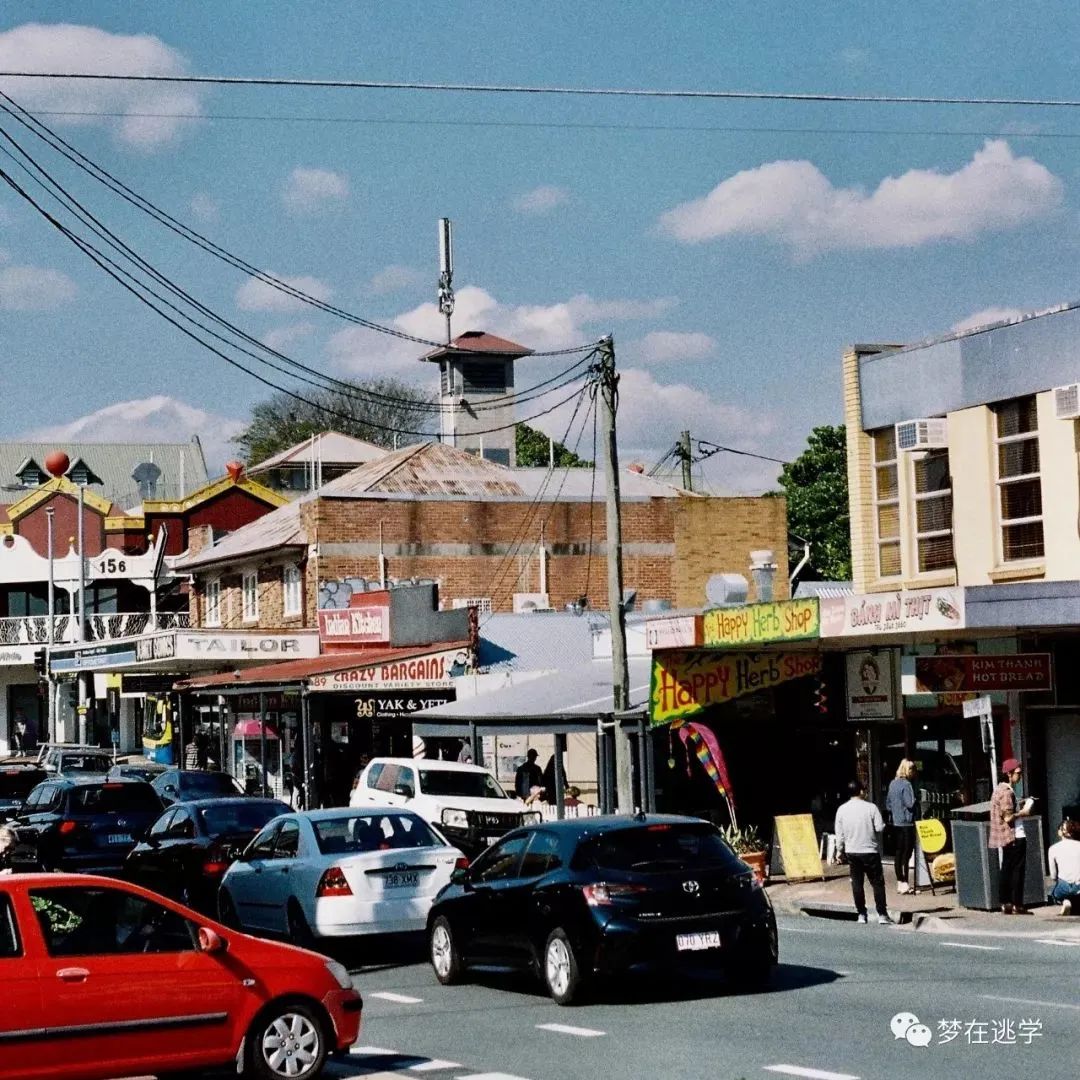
{"x": 1019, "y": 485}
{"x": 933, "y": 511}
{"x": 212, "y": 603}
{"x": 249, "y": 587}
{"x": 293, "y": 588}
{"x": 886, "y": 503}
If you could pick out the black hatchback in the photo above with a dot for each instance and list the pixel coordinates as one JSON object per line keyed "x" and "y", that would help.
{"x": 86, "y": 824}
{"x": 184, "y": 785}
{"x": 580, "y": 900}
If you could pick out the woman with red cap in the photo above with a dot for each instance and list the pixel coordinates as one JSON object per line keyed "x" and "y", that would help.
{"x": 1007, "y": 835}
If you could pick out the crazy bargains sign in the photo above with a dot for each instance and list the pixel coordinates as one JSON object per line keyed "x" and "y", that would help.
{"x": 434, "y": 670}
{"x": 685, "y": 683}
{"x": 756, "y": 624}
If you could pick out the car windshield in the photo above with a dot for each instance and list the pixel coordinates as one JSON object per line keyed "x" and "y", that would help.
{"x": 460, "y": 784}
{"x": 245, "y": 817}
{"x": 90, "y": 763}
{"x": 118, "y": 798}
{"x": 210, "y": 783}
{"x": 656, "y": 848}
{"x": 372, "y": 832}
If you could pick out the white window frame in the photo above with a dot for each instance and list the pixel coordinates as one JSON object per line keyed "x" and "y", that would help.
{"x": 928, "y": 496}
{"x": 292, "y": 591}
{"x": 878, "y": 503}
{"x": 1003, "y": 481}
{"x": 249, "y": 590}
{"x": 481, "y": 603}
{"x": 212, "y": 602}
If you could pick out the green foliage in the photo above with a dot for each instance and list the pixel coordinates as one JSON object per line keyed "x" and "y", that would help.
{"x": 533, "y": 451}
{"x": 282, "y": 421}
{"x": 815, "y": 484}
{"x": 746, "y": 840}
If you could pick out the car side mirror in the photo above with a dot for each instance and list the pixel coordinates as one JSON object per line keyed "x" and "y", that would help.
{"x": 169, "y": 789}
{"x": 404, "y": 790}
{"x": 210, "y": 941}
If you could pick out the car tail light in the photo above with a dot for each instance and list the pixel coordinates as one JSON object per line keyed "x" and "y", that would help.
{"x": 215, "y": 862}
{"x": 461, "y": 863}
{"x": 607, "y": 892}
{"x": 69, "y": 827}
{"x": 333, "y": 883}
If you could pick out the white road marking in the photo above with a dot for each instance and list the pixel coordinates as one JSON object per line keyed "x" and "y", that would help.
{"x": 568, "y": 1029}
{"x": 1032, "y": 1001}
{"x": 964, "y": 945}
{"x": 1058, "y": 941}
{"x": 374, "y": 1051}
{"x": 433, "y": 1065}
{"x": 399, "y": 999}
{"x": 799, "y": 930}
{"x": 811, "y": 1074}
{"x": 490, "y": 1076}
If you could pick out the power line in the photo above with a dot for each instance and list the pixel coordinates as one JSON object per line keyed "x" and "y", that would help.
{"x": 564, "y": 91}
{"x": 708, "y": 449}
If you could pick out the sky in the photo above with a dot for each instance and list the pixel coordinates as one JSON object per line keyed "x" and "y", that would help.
{"x": 733, "y": 248}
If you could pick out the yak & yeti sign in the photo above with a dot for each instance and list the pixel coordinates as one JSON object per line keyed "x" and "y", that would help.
{"x": 685, "y": 683}
{"x": 394, "y": 704}
{"x": 900, "y": 612}
{"x": 433, "y": 671}
{"x": 871, "y": 685}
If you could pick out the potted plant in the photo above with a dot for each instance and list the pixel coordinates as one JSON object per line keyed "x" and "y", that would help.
{"x": 747, "y": 843}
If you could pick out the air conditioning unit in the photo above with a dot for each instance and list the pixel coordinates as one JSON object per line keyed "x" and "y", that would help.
{"x": 525, "y": 602}
{"x": 928, "y": 434}
{"x": 1067, "y": 401}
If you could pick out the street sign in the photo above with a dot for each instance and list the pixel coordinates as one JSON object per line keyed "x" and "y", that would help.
{"x": 980, "y": 706}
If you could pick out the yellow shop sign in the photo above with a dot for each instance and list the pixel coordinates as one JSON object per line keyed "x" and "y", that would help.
{"x": 757, "y": 624}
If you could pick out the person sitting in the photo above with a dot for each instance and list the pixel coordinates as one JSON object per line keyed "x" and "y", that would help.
{"x": 1064, "y": 861}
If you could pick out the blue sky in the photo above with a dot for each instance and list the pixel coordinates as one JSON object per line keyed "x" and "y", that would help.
{"x": 731, "y": 257}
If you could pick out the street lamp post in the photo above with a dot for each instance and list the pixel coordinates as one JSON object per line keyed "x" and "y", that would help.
{"x": 50, "y": 638}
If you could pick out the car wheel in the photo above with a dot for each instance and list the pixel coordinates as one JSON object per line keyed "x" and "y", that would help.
{"x": 562, "y": 975}
{"x": 752, "y": 969}
{"x": 287, "y": 1041}
{"x": 445, "y": 957}
{"x": 299, "y": 931}
{"x": 227, "y": 911}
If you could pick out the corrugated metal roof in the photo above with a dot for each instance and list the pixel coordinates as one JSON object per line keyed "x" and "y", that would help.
{"x": 478, "y": 341}
{"x": 281, "y": 528}
{"x": 824, "y": 589}
{"x": 329, "y": 447}
{"x": 427, "y": 469}
{"x": 182, "y": 465}
{"x": 580, "y": 484}
{"x": 534, "y": 642}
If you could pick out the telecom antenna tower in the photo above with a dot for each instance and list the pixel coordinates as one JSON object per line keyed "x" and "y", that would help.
{"x": 446, "y": 272}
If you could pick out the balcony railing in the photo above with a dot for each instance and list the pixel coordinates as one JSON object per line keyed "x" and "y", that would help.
{"x": 34, "y": 629}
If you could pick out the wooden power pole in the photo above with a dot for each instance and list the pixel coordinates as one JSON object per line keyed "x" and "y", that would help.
{"x": 609, "y": 396}
{"x": 684, "y": 454}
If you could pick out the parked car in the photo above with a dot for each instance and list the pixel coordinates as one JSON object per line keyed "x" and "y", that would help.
{"x": 104, "y": 979}
{"x": 77, "y": 760}
{"x": 16, "y": 782}
{"x": 38, "y": 754}
{"x": 464, "y": 802}
{"x": 141, "y": 769}
{"x": 186, "y": 852}
{"x": 183, "y": 785}
{"x": 338, "y": 873}
{"x": 588, "y": 898}
{"x": 83, "y": 823}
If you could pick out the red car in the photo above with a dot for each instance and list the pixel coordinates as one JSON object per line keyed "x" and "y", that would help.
{"x": 102, "y": 979}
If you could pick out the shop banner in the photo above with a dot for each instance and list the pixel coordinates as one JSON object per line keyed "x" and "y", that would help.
{"x": 417, "y": 672}
{"x": 685, "y": 683}
{"x": 360, "y": 625}
{"x": 982, "y": 674}
{"x": 758, "y": 624}
{"x": 871, "y": 685}
{"x": 383, "y": 705}
{"x": 902, "y": 612}
{"x": 673, "y": 632}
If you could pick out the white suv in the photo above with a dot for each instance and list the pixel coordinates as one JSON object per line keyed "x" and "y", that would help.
{"x": 464, "y": 802}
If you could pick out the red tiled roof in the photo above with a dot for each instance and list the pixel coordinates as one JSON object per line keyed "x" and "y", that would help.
{"x": 288, "y": 671}
{"x": 478, "y": 341}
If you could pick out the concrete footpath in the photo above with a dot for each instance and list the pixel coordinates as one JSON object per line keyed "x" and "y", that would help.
{"x": 937, "y": 912}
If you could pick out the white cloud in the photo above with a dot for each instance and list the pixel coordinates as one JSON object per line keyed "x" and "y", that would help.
{"x": 34, "y": 288}
{"x": 661, "y": 346}
{"x": 205, "y": 207}
{"x": 987, "y": 316}
{"x": 541, "y": 200}
{"x": 256, "y": 295}
{"x": 855, "y": 57}
{"x": 308, "y": 191}
{"x": 67, "y": 47}
{"x": 793, "y": 202}
{"x": 587, "y": 309}
{"x": 395, "y": 277}
{"x": 154, "y": 419}
{"x": 282, "y": 338}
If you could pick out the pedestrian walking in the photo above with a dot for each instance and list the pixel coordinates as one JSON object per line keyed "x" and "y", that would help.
{"x": 859, "y": 826}
{"x": 8, "y": 842}
{"x": 528, "y": 775}
{"x": 901, "y": 804}
{"x": 1064, "y": 860}
{"x": 1007, "y": 836}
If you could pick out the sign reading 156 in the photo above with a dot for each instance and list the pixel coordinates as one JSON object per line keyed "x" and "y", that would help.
{"x": 109, "y": 565}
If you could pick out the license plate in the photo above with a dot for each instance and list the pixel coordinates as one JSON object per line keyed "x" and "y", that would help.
{"x": 120, "y": 838}
{"x": 709, "y": 939}
{"x": 402, "y": 881}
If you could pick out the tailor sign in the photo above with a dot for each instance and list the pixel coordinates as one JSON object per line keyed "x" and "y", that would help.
{"x": 758, "y": 624}
{"x": 902, "y": 612}
{"x": 361, "y": 625}
{"x": 685, "y": 683}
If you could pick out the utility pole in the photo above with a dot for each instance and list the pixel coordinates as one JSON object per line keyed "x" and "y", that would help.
{"x": 609, "y": 395}
{"x": 684, "y": 453}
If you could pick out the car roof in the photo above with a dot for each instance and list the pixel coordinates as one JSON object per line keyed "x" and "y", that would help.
{"x": 95, "y": 778}
{"x": 337, "y": 812}
{"x": 229, "y": 800}
{"x": 449, "y": 766}
{"x": 605, "y": 823}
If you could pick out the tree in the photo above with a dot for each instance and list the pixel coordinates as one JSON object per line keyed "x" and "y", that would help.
{"x": 815, "y": 484}
{"x": 282, "y": 421}
{"x": 534, "y": 451}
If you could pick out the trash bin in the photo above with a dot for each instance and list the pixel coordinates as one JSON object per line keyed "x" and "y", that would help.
{"x": 977, "y": 865}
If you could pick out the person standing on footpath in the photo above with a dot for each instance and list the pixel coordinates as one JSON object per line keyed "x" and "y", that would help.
{"x": 858, "y": 829}
{"x": 1064, "y": 860}
{"x": 1007, "y": 836}
{"x": 901, "y": 804}
{"x": 528, "y": 775}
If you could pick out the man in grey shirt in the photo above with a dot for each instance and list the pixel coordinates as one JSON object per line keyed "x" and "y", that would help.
{"x": 859, "y": 826}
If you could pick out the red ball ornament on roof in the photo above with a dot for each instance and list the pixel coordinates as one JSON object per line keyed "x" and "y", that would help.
{"x": 57, "y": 463}
{"x": 235, "y": 470}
